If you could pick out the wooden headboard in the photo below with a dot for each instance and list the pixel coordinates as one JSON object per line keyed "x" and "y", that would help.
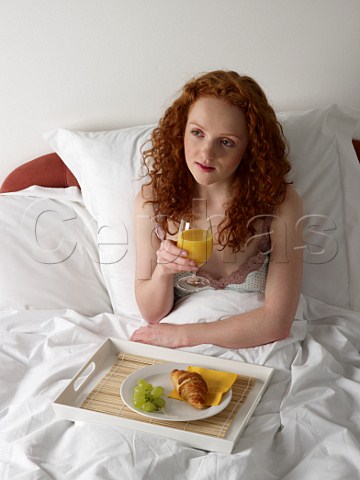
{"x": 46, "y": 171}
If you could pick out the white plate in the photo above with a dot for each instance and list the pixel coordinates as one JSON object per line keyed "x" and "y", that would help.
{"x": 175, "y": 410}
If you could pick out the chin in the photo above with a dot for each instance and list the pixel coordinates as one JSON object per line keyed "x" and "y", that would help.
{"x": 201, "y": 180}
{"x": 204, "y": 183}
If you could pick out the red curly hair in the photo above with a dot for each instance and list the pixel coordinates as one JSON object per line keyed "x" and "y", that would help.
{"x": 260, "y": 183}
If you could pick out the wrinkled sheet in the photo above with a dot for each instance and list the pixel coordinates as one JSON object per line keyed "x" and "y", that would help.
{"x": 307, "y": 425}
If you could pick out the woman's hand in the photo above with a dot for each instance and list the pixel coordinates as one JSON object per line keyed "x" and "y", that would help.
{"x": 172, "y": 259}
{"x": 162, "y": 334}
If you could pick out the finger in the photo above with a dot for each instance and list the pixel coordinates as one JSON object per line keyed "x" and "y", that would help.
{"x": 165, "y": 256}
{"x": 171, "y": 247}
{"x": 170, "y": 253}
{"x": 137, "y": 337}
{"x": 142, "y": 339}
{"x": 177, "y": 266}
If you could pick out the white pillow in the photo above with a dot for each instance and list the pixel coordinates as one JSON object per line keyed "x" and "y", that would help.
{"x": 107, "y": 166}
{"x": 49, "y": 254}
{"x": 326, "y": 174}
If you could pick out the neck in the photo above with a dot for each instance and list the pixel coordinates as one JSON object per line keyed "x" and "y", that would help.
{"x": 210, "y": 200}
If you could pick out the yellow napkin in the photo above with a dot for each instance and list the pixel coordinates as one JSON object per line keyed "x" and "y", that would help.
{"x": 217, "y": 382}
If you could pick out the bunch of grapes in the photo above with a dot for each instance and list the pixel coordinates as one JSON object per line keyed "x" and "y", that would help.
{"x": 148, "y": 398}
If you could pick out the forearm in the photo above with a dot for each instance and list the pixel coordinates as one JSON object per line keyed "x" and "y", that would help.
{"x": 245, "y": 330}
{"x": 257, "y": 327}
{"x": 155, "y": 296}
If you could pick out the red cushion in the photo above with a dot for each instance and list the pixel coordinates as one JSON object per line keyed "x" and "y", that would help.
{"x": 46, "y": 171}
{"x": 356, "y": 144}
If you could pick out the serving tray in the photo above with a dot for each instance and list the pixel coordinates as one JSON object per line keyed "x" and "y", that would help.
{"x": 93, "y": 394}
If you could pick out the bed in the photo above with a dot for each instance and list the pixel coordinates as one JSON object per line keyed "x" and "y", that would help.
{"x": 67, "y": 274}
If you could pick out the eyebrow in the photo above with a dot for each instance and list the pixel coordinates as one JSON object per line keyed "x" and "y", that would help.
{"x": 196, "y": 124}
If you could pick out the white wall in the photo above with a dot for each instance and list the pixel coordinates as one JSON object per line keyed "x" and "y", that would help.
{"x": 98, "y": 64}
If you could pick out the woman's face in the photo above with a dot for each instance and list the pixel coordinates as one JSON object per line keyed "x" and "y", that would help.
{"x": 215, "y": 140}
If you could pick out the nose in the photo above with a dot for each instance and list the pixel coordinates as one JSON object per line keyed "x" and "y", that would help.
{"x": 208, "y": 151}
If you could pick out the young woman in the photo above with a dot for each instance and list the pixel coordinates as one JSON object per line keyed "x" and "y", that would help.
{"x": 219, "y": 149}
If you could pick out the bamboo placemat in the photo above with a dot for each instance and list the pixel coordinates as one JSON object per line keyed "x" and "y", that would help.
{"x": 105, "y": 398}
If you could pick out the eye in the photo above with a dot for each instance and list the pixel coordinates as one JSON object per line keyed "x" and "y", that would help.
{"x": 227, "y": 142}
{"x": 196, "y": 132}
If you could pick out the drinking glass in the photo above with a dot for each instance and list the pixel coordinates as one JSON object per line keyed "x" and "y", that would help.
{"x": 195, "y": 236}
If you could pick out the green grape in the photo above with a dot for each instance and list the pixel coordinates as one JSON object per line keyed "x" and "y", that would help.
{"x": 139, "y": 390}
{"x": 159, "y": 402}
{"x": 145, "y": 385}
{"x": 147, "y": 398}
{"x": 139, "y": 402}
{"x": 157, "y": 392}
{"x": 149, "y": 407}
{"x": 139, "y": 396}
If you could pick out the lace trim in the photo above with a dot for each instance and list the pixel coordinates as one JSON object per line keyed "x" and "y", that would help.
{"x": 239, "y": 276}
{"x": 255, "y": 282}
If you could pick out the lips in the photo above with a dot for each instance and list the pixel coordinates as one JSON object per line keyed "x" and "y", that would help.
{"x": 205, "y": 168}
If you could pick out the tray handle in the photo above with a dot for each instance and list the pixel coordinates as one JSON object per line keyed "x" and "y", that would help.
{"x": 83, "y": 376}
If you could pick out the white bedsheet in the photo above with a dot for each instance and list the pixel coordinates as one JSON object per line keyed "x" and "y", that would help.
{"x": 307, "y": 425}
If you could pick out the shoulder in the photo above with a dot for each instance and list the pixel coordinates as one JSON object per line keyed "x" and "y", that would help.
{"x": 287, "y": 216}
{"x": 292, "y": 205}
{"x": 285, "y": 225}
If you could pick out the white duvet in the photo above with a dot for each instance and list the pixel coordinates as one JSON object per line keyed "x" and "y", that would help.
{"x": 307, "y": 425}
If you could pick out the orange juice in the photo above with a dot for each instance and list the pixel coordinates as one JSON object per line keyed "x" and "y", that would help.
{"x": 197, "y": 242}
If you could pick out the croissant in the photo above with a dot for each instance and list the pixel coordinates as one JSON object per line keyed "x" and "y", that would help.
{"x": 190, "y": 386}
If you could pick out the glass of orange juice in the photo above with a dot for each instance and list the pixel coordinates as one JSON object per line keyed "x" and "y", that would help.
{"x": 195, "y": 237}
